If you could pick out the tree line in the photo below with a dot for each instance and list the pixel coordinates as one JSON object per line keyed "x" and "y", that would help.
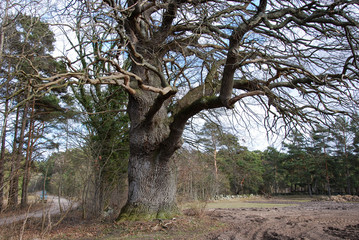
{"x": 323, "y": 161}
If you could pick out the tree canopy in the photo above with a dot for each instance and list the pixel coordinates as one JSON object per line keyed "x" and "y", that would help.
{"x": 297, "y": 59}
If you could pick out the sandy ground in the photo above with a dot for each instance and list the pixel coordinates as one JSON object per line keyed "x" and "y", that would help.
{"x": 309, "y": 220}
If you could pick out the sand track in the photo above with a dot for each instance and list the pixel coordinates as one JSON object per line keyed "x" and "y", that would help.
{"x": 52, "y": 208}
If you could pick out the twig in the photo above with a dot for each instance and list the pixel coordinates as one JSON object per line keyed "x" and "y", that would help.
{"x": 24, "y": 223}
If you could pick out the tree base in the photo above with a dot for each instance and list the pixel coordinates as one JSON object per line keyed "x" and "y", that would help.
{"x": 136, "y": 212}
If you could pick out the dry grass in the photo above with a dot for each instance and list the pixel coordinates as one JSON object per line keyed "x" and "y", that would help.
{"x": 74, "y": 227}
{"x": 183, "y": 227}
{"x": 195, "y": 208}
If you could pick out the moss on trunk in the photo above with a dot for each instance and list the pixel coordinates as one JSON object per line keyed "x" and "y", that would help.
{"x": 135, "y": 212}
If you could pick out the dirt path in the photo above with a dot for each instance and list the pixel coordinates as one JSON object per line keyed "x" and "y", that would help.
{"x": 311, "y": 220}
{"x": 53, "y": 207}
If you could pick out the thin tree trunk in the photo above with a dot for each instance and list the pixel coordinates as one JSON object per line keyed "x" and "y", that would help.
{"x": 2, "y": 154}
{"x": 26, "y": 176}
{"x": 13, "y": 158}
{"x": 2, "y": 31}
{"x": 347, "y": 173}
{"x": 275, "y": 180}
{"x": 214, "y": 145}
{"x": 310, "y": 190}
{"x": 348, "y": 182}
{"x": 216, "y": 172}
{"x": 99, "y": 186}
{"x": 99, "y": 195}
{"x": 14, "y": 182}
{"x": 327, "y": 178}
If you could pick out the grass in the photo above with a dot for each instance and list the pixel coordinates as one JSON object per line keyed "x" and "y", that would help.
{"x": 256, "y": 202}
{"x": 241, "y": 204}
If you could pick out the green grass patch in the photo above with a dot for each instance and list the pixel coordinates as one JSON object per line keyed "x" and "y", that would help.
{"x": 300, "y": 198}
{"x": 259, "y": 202}
{"x": 241, "y": 204}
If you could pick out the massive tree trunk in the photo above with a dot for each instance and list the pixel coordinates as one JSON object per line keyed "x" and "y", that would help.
{"x": 152, "y": 186}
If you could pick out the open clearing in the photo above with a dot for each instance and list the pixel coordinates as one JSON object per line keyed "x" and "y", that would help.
{"x": 301, "y": 220}
{"x": 252, "y": 218}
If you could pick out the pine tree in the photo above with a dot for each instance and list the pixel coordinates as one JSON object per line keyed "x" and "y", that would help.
{"x": 28, "y": 43}
{"x": 320, "y": 150}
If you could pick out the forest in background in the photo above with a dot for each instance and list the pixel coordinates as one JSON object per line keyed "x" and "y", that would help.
{"x": 73, "y": 140}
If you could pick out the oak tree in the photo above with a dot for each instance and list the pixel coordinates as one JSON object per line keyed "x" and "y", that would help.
{"x": 295, "y": 59}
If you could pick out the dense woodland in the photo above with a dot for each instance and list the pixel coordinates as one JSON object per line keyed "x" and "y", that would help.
{"x": 94, "y": 122}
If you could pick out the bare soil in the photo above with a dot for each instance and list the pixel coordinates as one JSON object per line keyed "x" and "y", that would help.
{"x": 306, "y": 220}
{"x": 288, "y": 219}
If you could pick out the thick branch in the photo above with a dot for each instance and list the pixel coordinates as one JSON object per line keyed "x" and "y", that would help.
{"x": 173, "y": 142}
{"x": 65, "y": 79}
{"x": 156, "y": 106}
{"x": 232, "y": 57}
{"x": 168, "y": 17}
{"x": 208, "y": 88}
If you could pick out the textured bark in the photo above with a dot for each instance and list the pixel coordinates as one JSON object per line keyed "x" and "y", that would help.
{"x": 152, "y": 186}
{"x": 152, "y": 189}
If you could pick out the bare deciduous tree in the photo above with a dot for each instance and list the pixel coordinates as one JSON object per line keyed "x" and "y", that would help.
{"x": 297, "y": 59}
